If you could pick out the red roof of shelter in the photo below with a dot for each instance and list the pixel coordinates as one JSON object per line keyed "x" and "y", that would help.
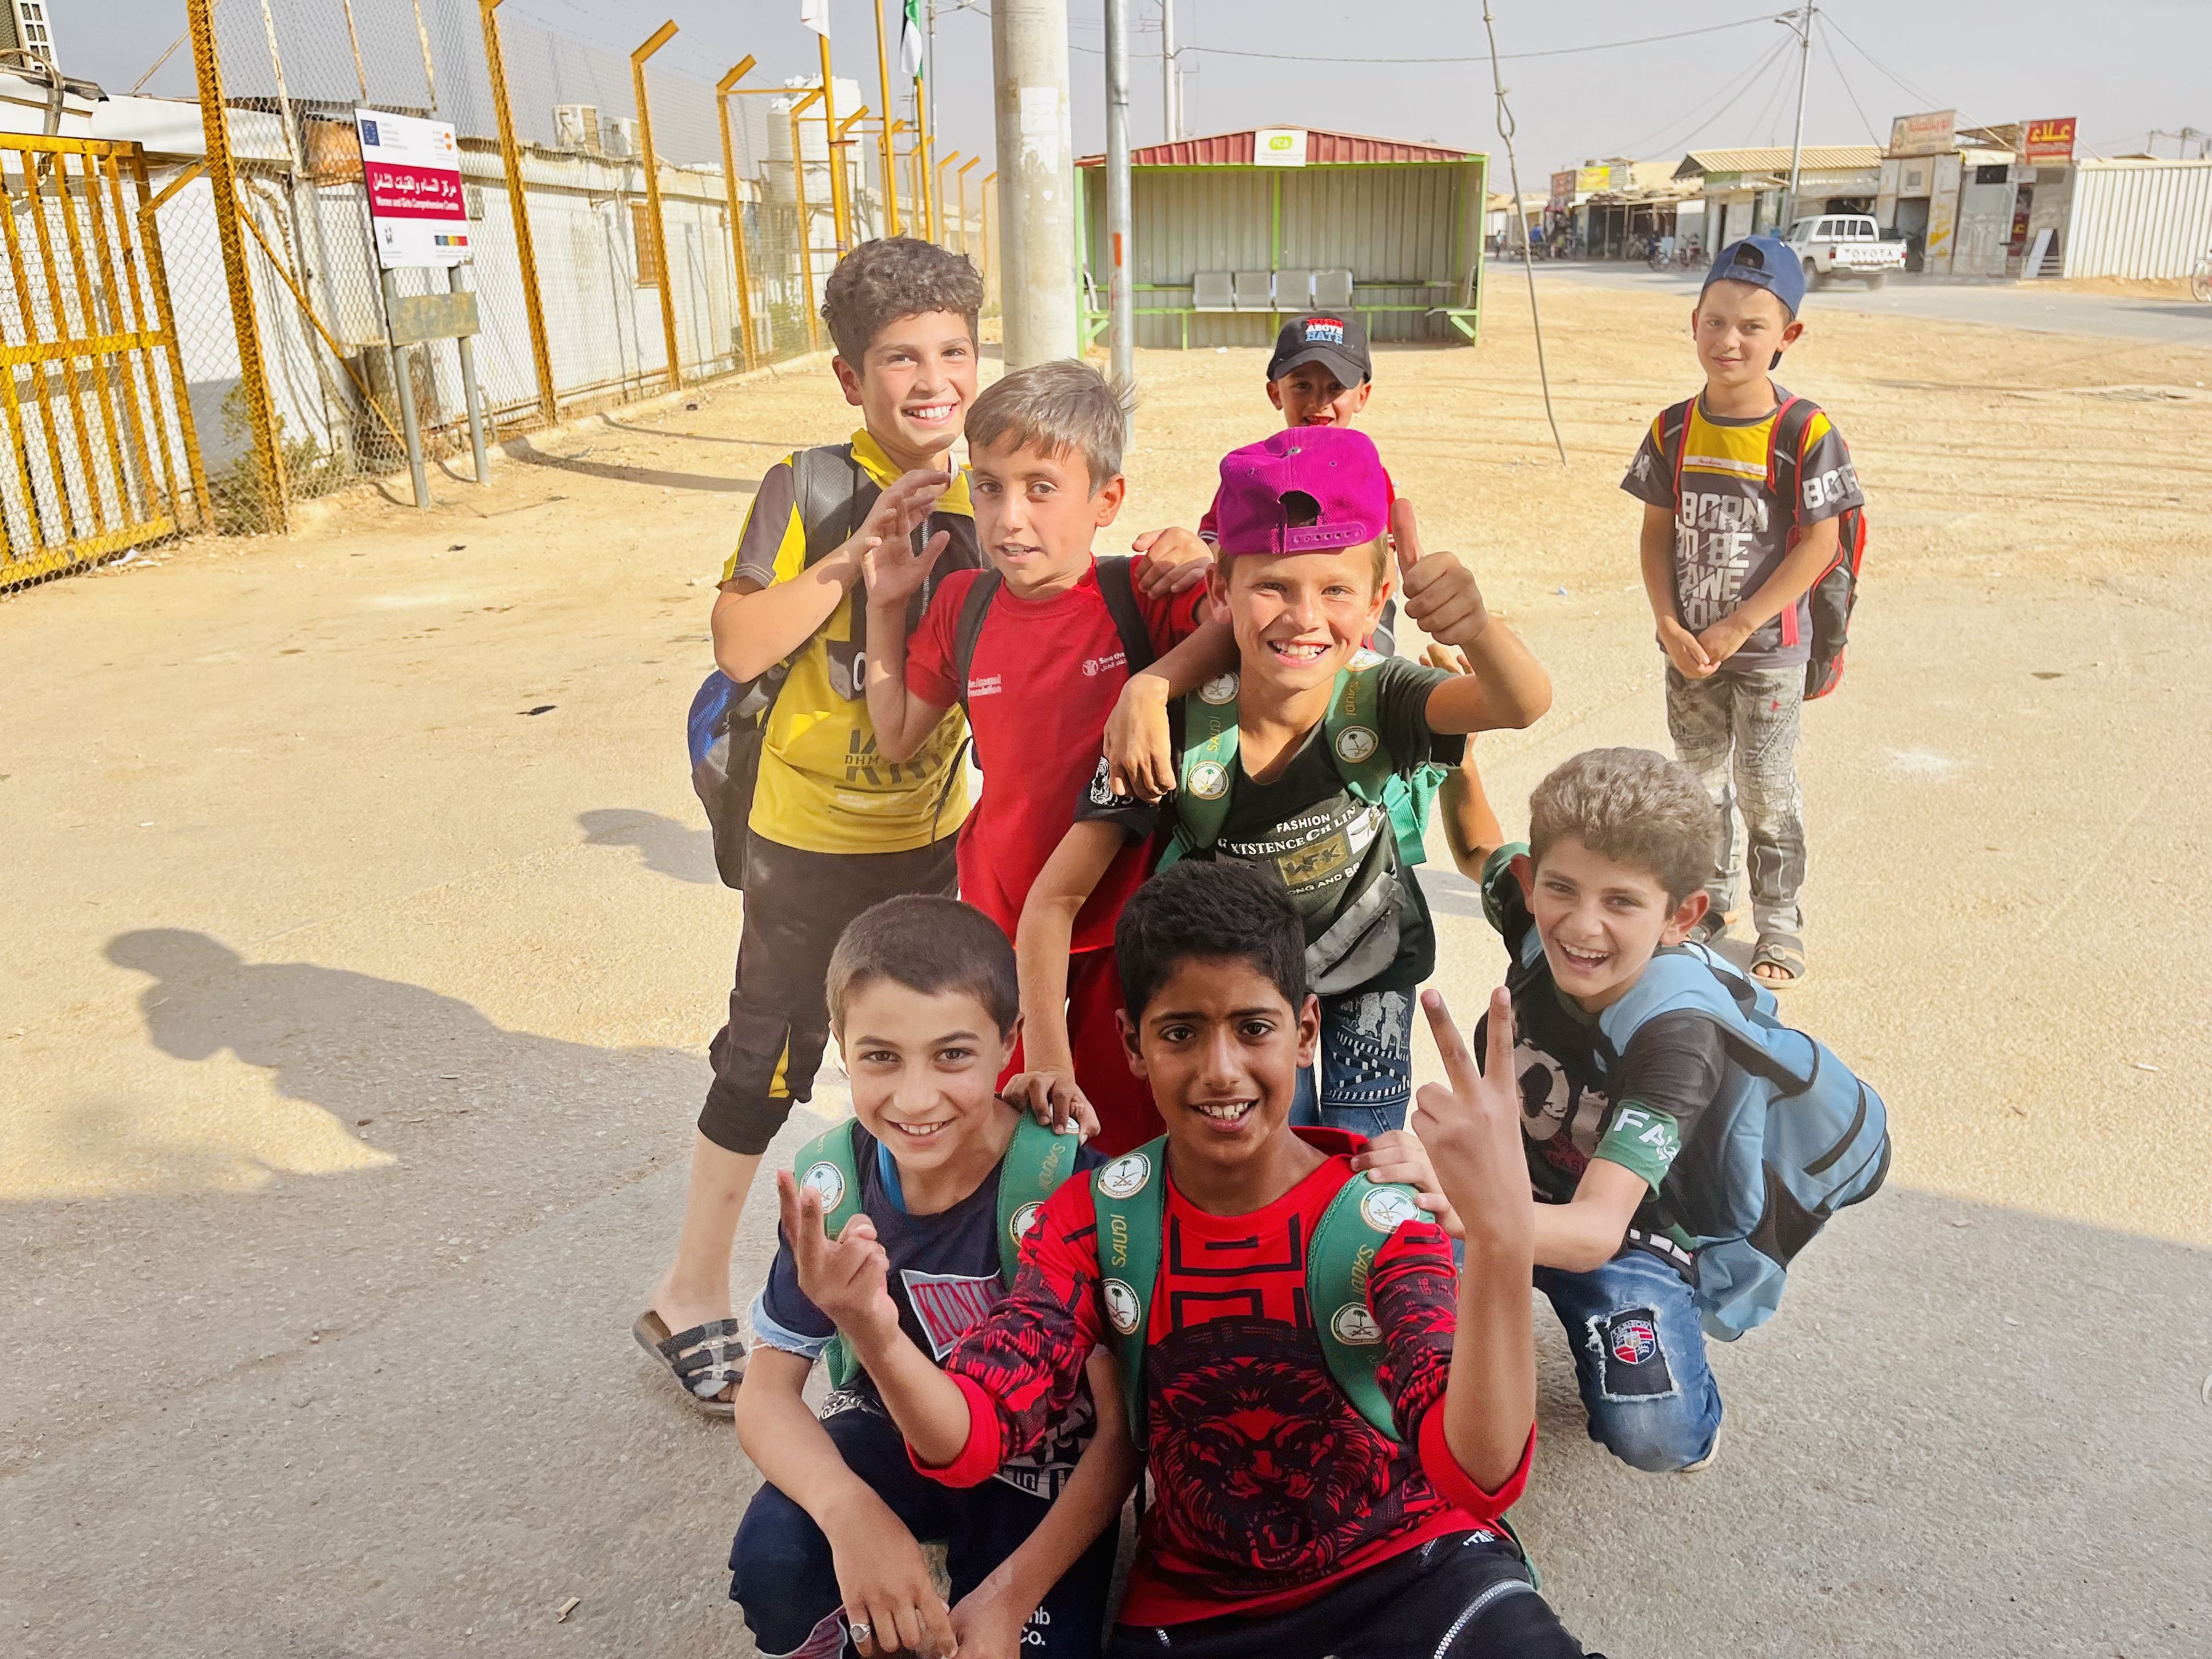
{"x": 1235, "y": 150}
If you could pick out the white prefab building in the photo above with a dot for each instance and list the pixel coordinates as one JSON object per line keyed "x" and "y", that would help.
{"x": 2138, "y": 218}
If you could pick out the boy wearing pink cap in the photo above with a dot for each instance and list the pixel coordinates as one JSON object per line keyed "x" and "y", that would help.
{"x": 1281, "y": 763}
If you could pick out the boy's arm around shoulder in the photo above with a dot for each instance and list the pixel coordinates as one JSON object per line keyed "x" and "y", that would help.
{"x": 1139, "y": 747}
{"x": 1045, "y": 933}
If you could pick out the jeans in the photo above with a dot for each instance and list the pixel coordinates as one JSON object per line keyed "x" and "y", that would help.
{"x": 1365, "y": 1065}
{"x": 1738, "y": 731}
{"x": 1639, "y": 1358}
{"x": 781, "y": 1573}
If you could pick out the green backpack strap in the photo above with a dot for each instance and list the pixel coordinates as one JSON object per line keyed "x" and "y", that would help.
{"x": 1209, "y": 762}
{"x": 1128, "y": 1195}
{"x": 826, "y": 1164}
{"x": 1036, "y": 1162}
{"x": 1338, "y": 1261}
{"x": 1352, "y": 729}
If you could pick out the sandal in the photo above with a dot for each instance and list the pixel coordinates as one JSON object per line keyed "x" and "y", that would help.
{"x": 1784, "y": 953}
{"x": 1711, "y": 926}
{"x": 704, "y": 1360}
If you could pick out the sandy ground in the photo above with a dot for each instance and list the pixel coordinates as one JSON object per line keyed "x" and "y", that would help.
{"x": 365, "y": 942}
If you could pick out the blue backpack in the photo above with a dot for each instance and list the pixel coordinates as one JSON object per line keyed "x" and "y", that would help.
{"x": 1794, "y": 1136}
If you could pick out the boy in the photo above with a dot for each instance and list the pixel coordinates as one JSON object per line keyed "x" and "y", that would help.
{"x": 1288, "y": 1524}
{"x": 921, "y": 992}
{"x": 1050, "y": 657}
{"x": 1284, "y": 761}
{"x": 1729, "y": 558}
{"x": 833, "y": 828}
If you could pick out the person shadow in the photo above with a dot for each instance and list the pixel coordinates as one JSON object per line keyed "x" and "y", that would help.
{"x": 664, "y": 846}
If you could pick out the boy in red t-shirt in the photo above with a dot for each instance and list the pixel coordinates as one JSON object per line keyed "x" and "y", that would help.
{"x": 1287, "y": 1524}
{"x": 1046, "y": 659}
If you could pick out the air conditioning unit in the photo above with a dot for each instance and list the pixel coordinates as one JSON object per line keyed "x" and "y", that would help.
{"x": 576, "y": 127}
{"x": 618, "y": 138}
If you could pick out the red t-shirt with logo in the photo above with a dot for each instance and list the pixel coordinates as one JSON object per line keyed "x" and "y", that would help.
{"x": 1045, "y": 677}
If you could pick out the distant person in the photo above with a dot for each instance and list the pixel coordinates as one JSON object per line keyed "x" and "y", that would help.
{"x": 941, "y": 1179}
{"x": 830, "y": 829}
{"x": 1744, "y": 486}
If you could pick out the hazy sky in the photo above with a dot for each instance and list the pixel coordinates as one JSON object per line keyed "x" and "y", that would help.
{"x": 2123, "y": 66}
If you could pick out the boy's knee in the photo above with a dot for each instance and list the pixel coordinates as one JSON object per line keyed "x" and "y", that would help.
{"x": 741, "y": 1122}
{"x": 1659, "y": 1435}
{"x": 778, "y": 1554}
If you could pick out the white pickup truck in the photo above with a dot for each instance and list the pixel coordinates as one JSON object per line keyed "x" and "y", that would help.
{"x": 1832, "y": 245}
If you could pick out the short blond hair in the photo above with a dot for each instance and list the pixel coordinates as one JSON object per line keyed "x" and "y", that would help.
{"x": 1057, "y": 407}
{"x": 1633, "y": 806}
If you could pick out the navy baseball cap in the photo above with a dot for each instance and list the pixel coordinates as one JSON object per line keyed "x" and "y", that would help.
{"x": 1338, "y": 342}
{"x": 1763, "y": 261}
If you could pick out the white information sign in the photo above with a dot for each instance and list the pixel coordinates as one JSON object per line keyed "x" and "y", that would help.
{"x": 412, "y": 171}
{"x": 1280, "y": 147}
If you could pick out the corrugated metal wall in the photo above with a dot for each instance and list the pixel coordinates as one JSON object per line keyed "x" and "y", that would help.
{"x": 2139, "y": 218}
{"x": 1403, "y": 225}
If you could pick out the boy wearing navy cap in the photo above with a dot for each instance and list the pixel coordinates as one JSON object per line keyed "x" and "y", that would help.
{"x": 1743, "y": 487}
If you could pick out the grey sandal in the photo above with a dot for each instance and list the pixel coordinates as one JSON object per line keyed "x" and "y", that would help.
{"x": 704, "y": 1360}
{"x": 1782, "y": 951}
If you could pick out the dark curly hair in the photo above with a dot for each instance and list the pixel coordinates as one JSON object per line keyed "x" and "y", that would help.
{"x": 878, "y": 282}
{"x": 1633, "y": 806}
{"x": 1216, "y": 909}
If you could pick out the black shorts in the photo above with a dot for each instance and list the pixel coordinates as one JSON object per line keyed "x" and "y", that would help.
{"x": 1463, "y": 1596}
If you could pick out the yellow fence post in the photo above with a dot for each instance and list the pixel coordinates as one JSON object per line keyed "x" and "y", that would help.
{"x": 806, "y": 229}
{"x": 988, "y": 179}
{"x": 253, "y": 374}
{"x": 891, "y": 165}
{"x": 839, "y": 213}
{"x": 944, "y": 237}
{"x": 966, "y": 241}
{"x": 661, "y": 37}
{"x": 838, "y": 146}
{"x": 932, "y": 199}
{"x": 526, "y": 252}
{"x": 722, "y": 90}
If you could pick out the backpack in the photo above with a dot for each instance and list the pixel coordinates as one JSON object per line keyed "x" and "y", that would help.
{"x": 1793, "y": 1136}
{"x": 1130, "y": 1196}
{"x": 728, "y": 721}
{"x": 1837, "y": 591}
{"x": 1116, "y": 585}
{"x": 1364, "y": 940}
{"x": 1036, "y": 1162}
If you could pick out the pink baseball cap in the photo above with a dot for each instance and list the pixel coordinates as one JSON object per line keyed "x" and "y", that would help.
{"x": 1306, "y": 490}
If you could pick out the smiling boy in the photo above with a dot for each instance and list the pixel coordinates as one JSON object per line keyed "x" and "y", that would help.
{"x": 1284, "y": 762}
{"x": 922, "y": 992}
{"x": 1743, "y": 489}
{"x": 1289, "y": 1522}
{"x": 1036, "y": 649}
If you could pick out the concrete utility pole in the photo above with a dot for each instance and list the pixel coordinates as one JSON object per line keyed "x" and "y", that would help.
{"x": 1171, "y": 81}
{"x": 1120, "y": 298}
{"x": 1797, "y": 143}
{"x": 1036, "y": 180}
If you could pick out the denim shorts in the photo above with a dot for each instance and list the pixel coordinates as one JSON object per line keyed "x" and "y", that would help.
{"x": 1365, "y": 1065}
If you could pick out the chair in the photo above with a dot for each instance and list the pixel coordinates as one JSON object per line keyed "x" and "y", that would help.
{"x": 1331, "y": 290}
{"x": 1256, "y": 290}
{"x": 1293, "y": 291}
{"x": 1210, "y": 290}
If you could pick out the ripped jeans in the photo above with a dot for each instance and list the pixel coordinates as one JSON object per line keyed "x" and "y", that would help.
{"x": 1738, "y": 731}
{"x": 1639, "y": 1358}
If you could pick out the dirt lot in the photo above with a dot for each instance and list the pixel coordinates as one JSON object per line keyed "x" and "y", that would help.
{"x": 354, "y": 1009}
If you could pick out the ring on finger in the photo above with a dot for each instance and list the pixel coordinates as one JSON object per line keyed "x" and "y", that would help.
{"x": 862, "y": 1631}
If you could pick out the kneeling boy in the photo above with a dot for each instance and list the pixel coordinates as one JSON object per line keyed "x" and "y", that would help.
{"x": 1289, "y": 1522}
{"x": 921, "y": 991}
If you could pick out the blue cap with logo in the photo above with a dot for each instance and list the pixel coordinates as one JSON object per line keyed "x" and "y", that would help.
{"x": 1763, "y": 261}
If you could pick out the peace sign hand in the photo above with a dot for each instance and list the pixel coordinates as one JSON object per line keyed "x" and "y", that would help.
{"x": 845, "y": 1277}
{"x": 1439, "y": 590}
{"x": 1472, "y": 1129}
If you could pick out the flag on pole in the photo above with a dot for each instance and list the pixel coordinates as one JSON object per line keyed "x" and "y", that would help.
{"x": 814, "y": 14}
{"x": 910, "y": 39}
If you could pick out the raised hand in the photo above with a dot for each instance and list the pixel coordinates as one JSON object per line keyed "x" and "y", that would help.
{"x": 1472, "y": 1129}
{"x": 882, "y": 547}
{"x": 1054, "y": 1099}
{"x": 847, "y": 1277}
{"x": 1438, "y": 590}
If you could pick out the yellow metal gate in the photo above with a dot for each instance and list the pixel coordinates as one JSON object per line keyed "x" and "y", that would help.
{"x": 101, "y": 452}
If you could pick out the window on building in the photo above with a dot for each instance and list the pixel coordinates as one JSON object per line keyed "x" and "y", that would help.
{"x": 641, "y": 236}
{"x": 2000, "y": 174}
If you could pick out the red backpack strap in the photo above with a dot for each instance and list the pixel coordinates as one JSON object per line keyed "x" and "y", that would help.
{"x": 1785, "y": 448}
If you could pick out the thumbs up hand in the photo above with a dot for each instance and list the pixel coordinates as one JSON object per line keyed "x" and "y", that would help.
{"x": 1439, "y": 591}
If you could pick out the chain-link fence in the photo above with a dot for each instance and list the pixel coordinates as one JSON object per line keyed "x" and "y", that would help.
{"x": 607, "y": 236}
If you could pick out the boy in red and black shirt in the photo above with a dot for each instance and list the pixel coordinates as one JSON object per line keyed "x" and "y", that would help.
{"x": 1037, "y": 658}
{"x": 1286, "y": 1525}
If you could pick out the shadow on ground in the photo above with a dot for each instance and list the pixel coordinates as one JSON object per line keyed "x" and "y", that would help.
{"x": 664, "y": 846}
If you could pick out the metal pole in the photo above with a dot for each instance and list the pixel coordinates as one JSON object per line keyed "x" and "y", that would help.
{"x": 1170, "y": 90}
{"x": 838, "y": 146}
{"x": 840, "y": 211}
{"x": 252, "y": 371}
{"x": 805, "y": 224}
{"x": 944, "y": 237}
{"x": 736, "y": 212}
{"x": 1120, "y": 299}
{"x": 1797, "y": 143}
{"x": 925, "y": 159}
{"x": 1505, "y": 129}
{"x": 468, "y": 387}
{"x": 891, "y": 160}
{"x": 967, "y": 240}
{"x": 403, "y": 385}
{"x": 1037, "y": 164}
{"x": 518, "y": 207}
{"x": 984, "y": 188}
{"x": 658, "y": 38}
{"x": 429, "y": 74}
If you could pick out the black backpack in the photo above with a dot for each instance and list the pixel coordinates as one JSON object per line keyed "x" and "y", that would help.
{"x": 1116, "y": 585}
{"x": 728, "y": 721}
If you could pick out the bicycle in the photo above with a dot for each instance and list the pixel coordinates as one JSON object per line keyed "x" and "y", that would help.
{"x": 2200, "y": 280}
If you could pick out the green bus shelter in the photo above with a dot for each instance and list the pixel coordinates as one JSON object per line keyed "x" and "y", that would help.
{"x": 1235, "y": 232}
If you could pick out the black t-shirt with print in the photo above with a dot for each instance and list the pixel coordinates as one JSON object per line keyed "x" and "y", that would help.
{"x": 1578, "y": 1102}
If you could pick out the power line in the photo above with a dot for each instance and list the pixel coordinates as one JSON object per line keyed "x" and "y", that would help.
{"x": 1733, "y": 87}
{"x": 1483, "y": 58}
{"x": 1844, "y": 81}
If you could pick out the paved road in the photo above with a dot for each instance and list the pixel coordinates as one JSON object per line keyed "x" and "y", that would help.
{"x": 2006, "y": 305}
